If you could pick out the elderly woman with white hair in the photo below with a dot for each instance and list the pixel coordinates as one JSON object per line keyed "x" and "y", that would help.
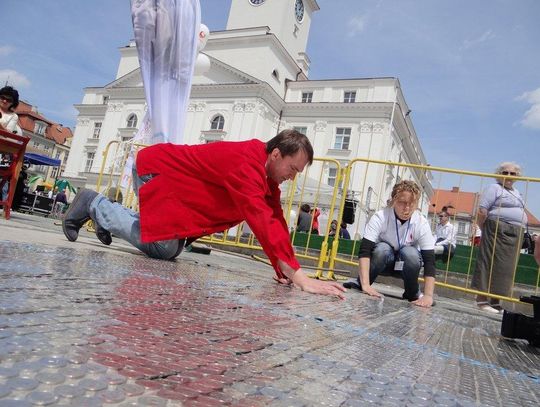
{"x": 502, "y": 217}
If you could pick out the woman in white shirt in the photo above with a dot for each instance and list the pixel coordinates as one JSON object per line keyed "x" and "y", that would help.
{"x": 9, "y": 100}
{"x": 502, "y": 217}
{"x": 398, "y": 241}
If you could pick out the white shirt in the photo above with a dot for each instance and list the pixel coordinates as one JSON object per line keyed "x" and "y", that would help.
{"x": 9, "y": 121}
{"x": 415, "y": 232}
{"x": 446, "y": 232}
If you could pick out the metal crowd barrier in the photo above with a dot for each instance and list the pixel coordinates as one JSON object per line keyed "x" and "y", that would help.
{"x": 371, "y": 182}
{"x": 360, "y": 188}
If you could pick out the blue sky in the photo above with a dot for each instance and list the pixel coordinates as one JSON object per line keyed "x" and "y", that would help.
{"x": 470, "y": 70}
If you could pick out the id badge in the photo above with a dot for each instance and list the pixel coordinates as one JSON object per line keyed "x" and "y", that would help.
{"x": 398, "y": 266}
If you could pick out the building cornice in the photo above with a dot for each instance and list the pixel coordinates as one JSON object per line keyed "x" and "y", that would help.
{"x": 91, "y": 109}
{"x": 381, "y": 110}
{"x": 336, "y": 83}
{"x": 239, "y": 90}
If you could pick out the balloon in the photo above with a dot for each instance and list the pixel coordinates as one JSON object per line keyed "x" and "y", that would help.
{"x": 203, "y": 37}
{"x": 202, "y": 64}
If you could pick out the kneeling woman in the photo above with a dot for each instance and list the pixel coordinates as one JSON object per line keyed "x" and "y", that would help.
{"x": 398, "y": 241}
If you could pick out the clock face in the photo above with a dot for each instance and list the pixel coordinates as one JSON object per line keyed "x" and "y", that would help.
{"x": 256, "y": 2}
{"x": 299, "y": 10}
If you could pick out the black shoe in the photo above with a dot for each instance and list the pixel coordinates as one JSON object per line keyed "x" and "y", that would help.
{"x": 77, "y": 214}
{"x": 353, "y": 284}
{"x": 103, "y": 235}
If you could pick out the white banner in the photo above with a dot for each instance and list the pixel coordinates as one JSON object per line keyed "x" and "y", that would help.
{"x": 166, "y": 34}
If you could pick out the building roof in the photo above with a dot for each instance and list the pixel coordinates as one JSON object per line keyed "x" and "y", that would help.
{"x": 28, "y": 114}
{"x": 456, "y": 200}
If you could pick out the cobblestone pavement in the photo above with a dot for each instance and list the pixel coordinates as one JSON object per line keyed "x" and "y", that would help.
{"x": 83, "y": 327}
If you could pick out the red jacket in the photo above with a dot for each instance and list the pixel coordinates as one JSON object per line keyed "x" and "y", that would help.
{"x": 201, "y": 189}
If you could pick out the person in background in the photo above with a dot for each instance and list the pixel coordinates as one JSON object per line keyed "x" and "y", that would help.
{"x": 304, "y": 219}
{"x": 502, "y": 217}
{"x": 9, "y": 100}
{"x": 60, "y": 201}
{"x": 537, "y": 252}
{"x": 445, "y": 235}
{"x": 343, "y": 232}
{"x": 315, "y": 212}
{"x": 398, "y": 242}
{"x": 476, "y": 234}
{"x": 333, "y": 228}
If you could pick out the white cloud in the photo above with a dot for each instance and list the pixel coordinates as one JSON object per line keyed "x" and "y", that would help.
{"x": 531, "y": 118}
{"x": 5, "y": 50}
{"x": 486, "y": 36}
{"x": 356, "y": 25}
{"x": 17, "y": 79}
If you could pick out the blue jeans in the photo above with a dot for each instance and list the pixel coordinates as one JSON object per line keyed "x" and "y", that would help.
{"x": 383, "y": 259}
{"x": 125, "y": 223}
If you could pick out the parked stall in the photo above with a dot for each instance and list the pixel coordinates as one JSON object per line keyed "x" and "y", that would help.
{"x": 36, "y": 202}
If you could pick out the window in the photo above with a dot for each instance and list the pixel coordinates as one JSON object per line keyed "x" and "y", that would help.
{"x": 39, "y": 128}
{"x": 217, "y": 123}
{"x": 54, "y": 172}
{"x": 343, "y": 136}
{"x": 332, "y": 175}
{"x": 57, "y": 156}
{"x": 301, "y": 129}
{"x": 349, "y": 97}
{"x": 461, "y": 228}
{"x": 105, "y": 100}
{"x": 97, "y": 130}
{"x": 307, "y": 97}
{"x": 89, "y": 160}
{"x": 132, "y": 121}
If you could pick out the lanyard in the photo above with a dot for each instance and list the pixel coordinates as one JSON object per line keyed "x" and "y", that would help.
{"x": 397, "y": 232}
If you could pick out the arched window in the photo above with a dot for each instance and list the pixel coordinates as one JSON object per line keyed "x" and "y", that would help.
{"x": 132, "y": 121}
{"x": 217, "y": 123}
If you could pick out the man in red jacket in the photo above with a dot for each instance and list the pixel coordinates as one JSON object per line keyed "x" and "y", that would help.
{"x": 186, "y": 192}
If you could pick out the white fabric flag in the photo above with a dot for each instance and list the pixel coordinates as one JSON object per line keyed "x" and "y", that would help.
{"x": 166, "y": 34}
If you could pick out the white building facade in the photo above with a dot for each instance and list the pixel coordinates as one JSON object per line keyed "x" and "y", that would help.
{"x": 258, "y": 85}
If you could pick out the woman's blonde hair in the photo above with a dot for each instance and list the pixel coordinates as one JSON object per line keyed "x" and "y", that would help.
{"x": 406, "y": 186}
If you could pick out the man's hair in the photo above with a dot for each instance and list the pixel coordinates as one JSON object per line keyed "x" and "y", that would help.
{"x": 8, "y": 91}
{"x": 305, "y": 208}
{"x": 406, "y": 186}
{"x": 289, "y": 142}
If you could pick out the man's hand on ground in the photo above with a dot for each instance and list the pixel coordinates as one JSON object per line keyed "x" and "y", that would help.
{"x": 369, "y": 290}
{"x": 284, "y": 280}
{"x": 425, "y": 301}
{"x": 309, "y": 285}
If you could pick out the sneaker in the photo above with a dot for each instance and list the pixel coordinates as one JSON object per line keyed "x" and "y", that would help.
{"x": 77, "y": 214}
{"x": 353, "y": 284}
{"x": 485, "y": 306}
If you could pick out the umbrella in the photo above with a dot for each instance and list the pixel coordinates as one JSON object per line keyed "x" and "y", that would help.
{"x": 40, "y": 181}
{"x": 63, "y": 184}
{"x": 35, "y": 178}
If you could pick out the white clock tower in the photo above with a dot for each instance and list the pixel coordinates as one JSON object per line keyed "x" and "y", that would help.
{"x": 256, "y": 27}
{"x": 288, "y": 20}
